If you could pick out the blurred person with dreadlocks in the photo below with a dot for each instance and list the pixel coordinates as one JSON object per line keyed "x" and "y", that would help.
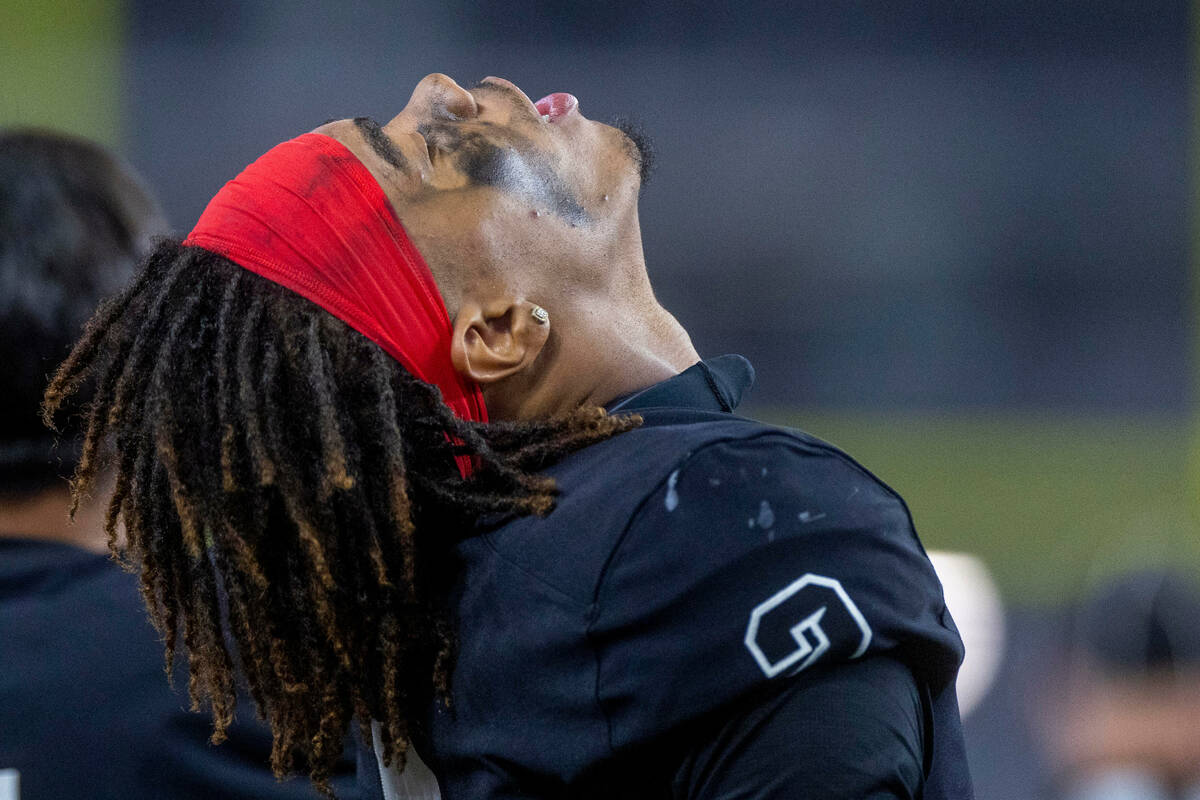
{"x": 402, "y": 419}
{"x": 85, "y": 710}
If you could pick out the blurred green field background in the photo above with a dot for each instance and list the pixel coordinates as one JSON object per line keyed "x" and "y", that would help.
{"x": 60, "y": 66}
{"x": 1051, "y": 503}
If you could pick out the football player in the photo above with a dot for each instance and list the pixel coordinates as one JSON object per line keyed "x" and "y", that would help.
{"x": 403, "y": 414}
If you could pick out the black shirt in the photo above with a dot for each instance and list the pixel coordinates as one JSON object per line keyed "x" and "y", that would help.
{"x": 85, "y": 709}
{"x": 716, "y": 608}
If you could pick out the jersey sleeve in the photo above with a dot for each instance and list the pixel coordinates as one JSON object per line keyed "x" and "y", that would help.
{"x": 755, "y": 565}
{"x": 852, "y": 733}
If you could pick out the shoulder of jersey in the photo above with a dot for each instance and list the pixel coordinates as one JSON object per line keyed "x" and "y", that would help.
{"x": 755, "y": 559}
{"x": 710, "y": 470}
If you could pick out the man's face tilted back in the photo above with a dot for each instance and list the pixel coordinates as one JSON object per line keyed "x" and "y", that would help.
{"x": 510, "y": 208}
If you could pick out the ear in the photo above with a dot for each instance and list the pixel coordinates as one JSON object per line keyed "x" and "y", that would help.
{"x": 496, "y": 339}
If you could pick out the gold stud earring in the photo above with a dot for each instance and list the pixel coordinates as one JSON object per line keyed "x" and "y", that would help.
{"x": 540, "y": 314}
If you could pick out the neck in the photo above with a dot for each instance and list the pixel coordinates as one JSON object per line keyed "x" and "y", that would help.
{"x": 44, "y": 516}
{"x": 595, "y": 355}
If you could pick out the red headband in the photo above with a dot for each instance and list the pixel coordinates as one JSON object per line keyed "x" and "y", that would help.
{"x": 309, "y": 216}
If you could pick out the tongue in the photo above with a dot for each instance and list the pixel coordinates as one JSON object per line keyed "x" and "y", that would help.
{"x": 556, "y": 105}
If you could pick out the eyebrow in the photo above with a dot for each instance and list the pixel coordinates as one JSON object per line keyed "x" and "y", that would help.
{"x": 384, "y": 147}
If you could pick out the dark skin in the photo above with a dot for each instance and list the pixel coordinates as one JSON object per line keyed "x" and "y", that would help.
{"x": 511, "y": 211}
{"x": 271, "y": 462}
{"x": 485, "y": 158}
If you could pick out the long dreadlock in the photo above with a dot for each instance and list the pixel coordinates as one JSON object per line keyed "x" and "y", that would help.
{"x": 288, "y": 489}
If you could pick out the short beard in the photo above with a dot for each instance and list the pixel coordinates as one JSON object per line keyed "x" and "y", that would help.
{"x": 638, "y": 145}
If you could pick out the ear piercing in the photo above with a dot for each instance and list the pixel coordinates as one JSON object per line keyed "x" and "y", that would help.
{"x": 540, "y": 315}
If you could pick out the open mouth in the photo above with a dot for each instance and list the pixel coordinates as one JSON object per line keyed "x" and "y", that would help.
{"x": 554, "y": 107}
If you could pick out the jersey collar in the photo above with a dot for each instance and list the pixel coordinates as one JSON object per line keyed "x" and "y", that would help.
{"x": 714, "y": 384}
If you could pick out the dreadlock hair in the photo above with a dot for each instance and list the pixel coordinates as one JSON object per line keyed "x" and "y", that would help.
{"x": 287, "y": 491}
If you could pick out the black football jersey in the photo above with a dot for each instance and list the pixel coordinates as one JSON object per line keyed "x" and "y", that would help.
{"x": 85, "y": 708}
{"x": 712, "y": 598}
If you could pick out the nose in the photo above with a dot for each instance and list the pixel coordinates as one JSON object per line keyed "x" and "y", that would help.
{"x": 438, "y": 95}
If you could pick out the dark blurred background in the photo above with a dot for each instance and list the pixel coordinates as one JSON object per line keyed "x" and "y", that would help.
{"x": 954, "y": 237}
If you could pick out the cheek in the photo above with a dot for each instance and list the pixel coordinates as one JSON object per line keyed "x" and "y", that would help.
{"x": 454, "y": 252}
{"x": 519, "y": 237}
{"x": 540, "y": 257}
{"x": 487, "y": 238}
{"x": 543, "y": 184}
{"x": 481, "y": 237}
